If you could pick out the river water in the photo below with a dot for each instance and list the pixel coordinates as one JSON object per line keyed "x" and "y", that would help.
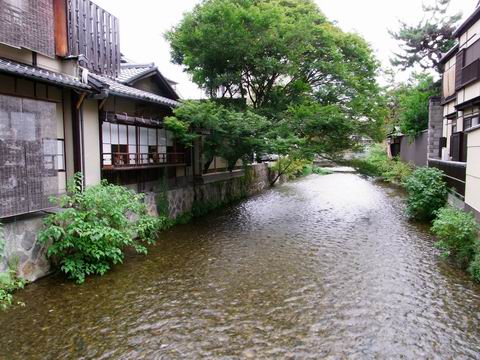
{"x": 324, "y": 267}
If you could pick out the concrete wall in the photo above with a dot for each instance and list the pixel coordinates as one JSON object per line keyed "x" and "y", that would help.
{"x": 472, "y": 190}
{"x": 414, "y": 151}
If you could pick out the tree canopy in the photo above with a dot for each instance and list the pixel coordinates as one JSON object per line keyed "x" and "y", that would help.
{"x": 313, "y": 82}
{"x": 409, "y": 103}
{"x": 233, "y": 135}
{"x": 425, "y": 43}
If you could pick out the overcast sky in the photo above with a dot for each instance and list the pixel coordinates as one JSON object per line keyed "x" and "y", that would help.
{"x": 143, "y": 23}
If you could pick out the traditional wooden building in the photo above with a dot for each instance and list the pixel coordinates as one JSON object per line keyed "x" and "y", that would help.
{"x": 454, "y": 133}
{"x": 69, "y": 102}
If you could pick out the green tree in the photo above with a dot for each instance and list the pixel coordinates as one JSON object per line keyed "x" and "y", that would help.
{"x": 409, "y": 103}
{"x": 287, "y": 62}
{"x": 425, "y": 43}
{"x": 228, "y": 133}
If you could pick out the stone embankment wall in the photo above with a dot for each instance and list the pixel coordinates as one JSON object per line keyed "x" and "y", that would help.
{"x": 182, "y": 200}
{"x": 23, "y": 250}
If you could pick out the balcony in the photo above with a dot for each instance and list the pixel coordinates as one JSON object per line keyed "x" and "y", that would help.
{"x": 134, "y": 161}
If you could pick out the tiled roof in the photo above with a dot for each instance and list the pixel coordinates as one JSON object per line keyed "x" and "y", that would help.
{"x": 129, "y": 71}
{"x": 31, "y": 72}
{"x": 116, "y": 88}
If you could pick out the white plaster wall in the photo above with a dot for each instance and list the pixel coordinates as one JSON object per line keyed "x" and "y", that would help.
{"x": 468, "y": 93}
{"x": 91, "y": 142}
{"x": 25, "y": 56}
{"x": 472, "y": 191}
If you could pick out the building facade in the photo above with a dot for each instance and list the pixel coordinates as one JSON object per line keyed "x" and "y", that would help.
{"x": 70, "y": 102}
{"x": 454, "y": 133}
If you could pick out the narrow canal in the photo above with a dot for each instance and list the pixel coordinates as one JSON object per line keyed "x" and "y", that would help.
{"x": 325, "y": 267}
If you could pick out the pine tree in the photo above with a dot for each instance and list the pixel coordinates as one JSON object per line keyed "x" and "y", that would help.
{"x": 425, "y": 43}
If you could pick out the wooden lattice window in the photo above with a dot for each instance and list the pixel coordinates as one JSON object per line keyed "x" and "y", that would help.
{"x": 28, "y": 155}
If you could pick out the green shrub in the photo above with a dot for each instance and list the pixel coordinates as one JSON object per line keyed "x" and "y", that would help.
{"x": 457, "y": 232}
{"x": 95, "y": 227}
{"x": 427, "y": 193}
{"x": 474, "y": 266}
{"x": 378, "y": 164}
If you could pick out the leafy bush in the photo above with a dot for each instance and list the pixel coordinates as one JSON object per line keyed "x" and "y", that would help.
{"x": 457, "y": 232}
{"x": 427, "y": 193}
{"x": 378, "y": 164}
{"x": 95, "y": 227}
{"x": 474, "y": 266}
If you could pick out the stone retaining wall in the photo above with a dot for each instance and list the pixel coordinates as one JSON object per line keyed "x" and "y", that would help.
{"x": 23, "y": 249}
{"x": 182, "y": 200}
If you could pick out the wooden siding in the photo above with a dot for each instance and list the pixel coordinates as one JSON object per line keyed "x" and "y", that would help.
{"x": 94, "y": 33}
{"x": 28, "y": 24}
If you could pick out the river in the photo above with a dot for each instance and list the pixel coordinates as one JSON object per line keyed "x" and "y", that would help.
{"x": 323, "y": 267}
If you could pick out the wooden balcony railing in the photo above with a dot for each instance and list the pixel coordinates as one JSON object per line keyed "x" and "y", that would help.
{"x": 455, "y": 173}
{"x": 120, "y": 160}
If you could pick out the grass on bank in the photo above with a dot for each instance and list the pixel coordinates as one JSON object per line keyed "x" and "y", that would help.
{"x": 379, "y": 165}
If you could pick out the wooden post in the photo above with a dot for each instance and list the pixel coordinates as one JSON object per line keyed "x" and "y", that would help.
{"x": 61, "y": 34}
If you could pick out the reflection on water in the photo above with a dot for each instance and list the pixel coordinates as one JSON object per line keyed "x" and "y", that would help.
{"x": 323, "y": 267}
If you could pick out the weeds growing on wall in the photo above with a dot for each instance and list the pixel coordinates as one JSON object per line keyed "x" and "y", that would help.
{"x": 9, "y": 282}
{"x": 96, "y": 226}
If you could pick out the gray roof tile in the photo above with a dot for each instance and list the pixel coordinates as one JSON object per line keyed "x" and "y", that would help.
{"x": 32, "y": 72}
{"x": 116, "y": 88}
{"x": 131, "y": 71}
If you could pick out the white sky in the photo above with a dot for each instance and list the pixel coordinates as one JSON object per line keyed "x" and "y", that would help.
{"x": 143, "y": 23}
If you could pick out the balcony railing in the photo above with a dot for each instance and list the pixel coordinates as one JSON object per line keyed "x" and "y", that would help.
{"x": 121, "y": 160}
{"x": 455, "y": 173}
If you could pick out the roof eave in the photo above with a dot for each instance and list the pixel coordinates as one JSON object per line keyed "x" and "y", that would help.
{"x": 47, "y": 81}
{"x": 131, "y": 96}
{"x": 467, "y": 23}
{"x": 449, "y": 54}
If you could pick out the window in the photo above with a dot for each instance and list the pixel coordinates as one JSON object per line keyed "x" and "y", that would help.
{"x": 30, "y": 155}
{"x": 470, "y": 122}
{"x": 130, "y": 145}
{"x": 53, "y": 154}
